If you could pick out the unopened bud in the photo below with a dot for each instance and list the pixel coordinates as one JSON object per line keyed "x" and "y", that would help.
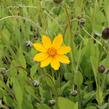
{"x": 51, "y": 102}
{"x": 3, "y": 71}
{"x": 74, "y": 92}
{"x": 101, "y": 69}
{"x": 36, "y": 83}
{"x": 105, "y": 33}
{"x": 28, "y": 44}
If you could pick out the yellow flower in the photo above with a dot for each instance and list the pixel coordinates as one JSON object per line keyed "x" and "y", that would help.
{"x": 51, "y": 52}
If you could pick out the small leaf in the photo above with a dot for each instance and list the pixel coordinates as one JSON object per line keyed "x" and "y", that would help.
{"x": 43, "y": 106}
{"x": 21, "y": 59}
{"x": 90, "y": 107}
{"x": 33, "y": 70}
{"x": 68, "y": 76}
{"x": 99, "y": 96}
{"x": 18, "y": 93}
{"x": 64, "y": 103}
{"x": 78, "y": 79}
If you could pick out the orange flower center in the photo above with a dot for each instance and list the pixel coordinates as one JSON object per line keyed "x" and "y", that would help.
{"x": 52, "y": 51}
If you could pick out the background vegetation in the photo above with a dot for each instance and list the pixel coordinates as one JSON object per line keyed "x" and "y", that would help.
{"x": 81, "y": 85}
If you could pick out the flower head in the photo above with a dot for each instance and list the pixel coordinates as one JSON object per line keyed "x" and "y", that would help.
{"x": 101, "y": 69}
{"x": 105, "y": 33}
{"x": 52, "y": 53}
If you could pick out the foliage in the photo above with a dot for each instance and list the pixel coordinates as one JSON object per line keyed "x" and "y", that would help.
{"x": 23, "y": 84}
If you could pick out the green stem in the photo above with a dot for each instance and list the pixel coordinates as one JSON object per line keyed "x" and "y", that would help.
{"x": 69, "y": 23}
{"x": 55, "y": 92}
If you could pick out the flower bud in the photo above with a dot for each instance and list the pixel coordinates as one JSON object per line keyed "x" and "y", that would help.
{"x": 28, "y": 44}
{"x": 101, "y": 69}
{"x": 3, "y": 71}
{"x": 105, "y": 33}
{"x": 51, "y": 102}
{"x": 74, "y": 92}
{"x": 36, "y": 83}
{"x": 81, "y": 22}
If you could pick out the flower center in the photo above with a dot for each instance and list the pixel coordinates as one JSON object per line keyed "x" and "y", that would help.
{"x": 52, "y": 51}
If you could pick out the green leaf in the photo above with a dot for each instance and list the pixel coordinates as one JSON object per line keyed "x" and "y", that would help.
{"x": 107, "y": 79}
{"x": 90, "y": 107}
{"x": 9, "y": 101}
{"x": 64, "y": 103}
{"x": 99, "y": 96}
{"x": 65, "y": 85}
{"x": 105, "y": 62}
{"x": 33, "y": 70}
{"x": 68, "y": 76}
{"x": 43, "y": 106}
{"x": 20, "y": 58}
{"x": 106, "y": 8}
{"x": 49, "y": 81}
{"x": 18, "y": 93}
{"x": 78, "y": 79}
{"x": 88, "y": 96}
{"x": 27, "y": 102}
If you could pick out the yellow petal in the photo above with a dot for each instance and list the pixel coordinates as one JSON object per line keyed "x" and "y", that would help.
{"x": 46, "y": 62}
{"x": 57, "y": 41}
{"x": 63, "y": 59}
{"x": 64, "y": 50}
{"x": 46, "y": 41}
{"x": 55, "y": 64}
{"x": 39, "y": 47}
{"x": 40, "y": 57}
